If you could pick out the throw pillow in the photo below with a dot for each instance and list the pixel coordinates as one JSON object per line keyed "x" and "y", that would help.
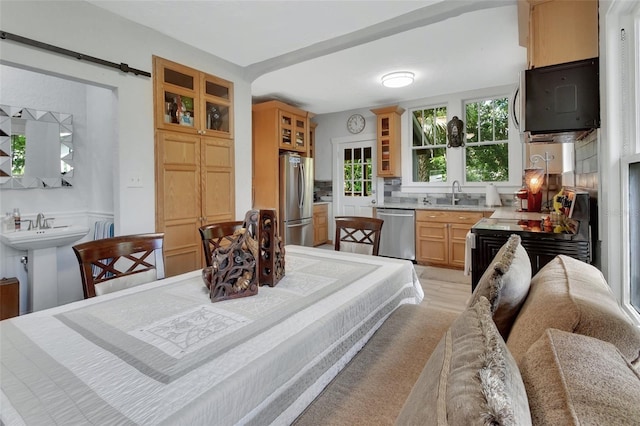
{"x": 573, "y": 296}
{"x": 573, "y": 379}
{"x": 470, "y": 378}
{"x": 505, "y": 284}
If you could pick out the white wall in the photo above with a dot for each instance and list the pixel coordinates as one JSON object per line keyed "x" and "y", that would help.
{"x": 93, "y": 148}
{"x": 331, "y": 126}
{"x": 82, "y": 27}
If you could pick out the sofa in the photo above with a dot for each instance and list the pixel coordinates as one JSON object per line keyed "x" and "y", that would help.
{"x": 552, "y": 349}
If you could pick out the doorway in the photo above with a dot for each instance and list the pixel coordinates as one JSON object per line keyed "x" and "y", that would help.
{"x": 354, "y": 181}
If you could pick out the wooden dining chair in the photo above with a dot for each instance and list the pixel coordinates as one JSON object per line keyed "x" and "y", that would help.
{"x": 358, "y": 234}
{"x": 113, "y": 264}
{"x": 215, "y": 235}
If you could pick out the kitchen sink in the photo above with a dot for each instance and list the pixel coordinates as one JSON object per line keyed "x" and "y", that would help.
{"x": 464, "y": 202}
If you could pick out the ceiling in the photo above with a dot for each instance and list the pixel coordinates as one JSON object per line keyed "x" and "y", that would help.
{"x": 329, "y": 56}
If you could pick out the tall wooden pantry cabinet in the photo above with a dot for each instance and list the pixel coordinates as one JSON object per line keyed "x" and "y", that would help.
{"x": 194, "y": 157}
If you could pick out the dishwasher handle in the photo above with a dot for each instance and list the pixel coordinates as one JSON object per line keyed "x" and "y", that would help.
{"x": 394, "y": 214}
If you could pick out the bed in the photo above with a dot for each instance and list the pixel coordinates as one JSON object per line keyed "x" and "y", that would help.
{"x": 162, "y": 353}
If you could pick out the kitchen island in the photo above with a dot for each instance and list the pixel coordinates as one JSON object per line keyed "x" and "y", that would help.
{"x": 543, "y": 242}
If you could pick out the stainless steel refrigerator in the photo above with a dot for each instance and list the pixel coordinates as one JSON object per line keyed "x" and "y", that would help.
{"x": 296, "y": 199}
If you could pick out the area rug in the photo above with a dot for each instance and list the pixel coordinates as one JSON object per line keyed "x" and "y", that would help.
{"x": 372, "y": 388}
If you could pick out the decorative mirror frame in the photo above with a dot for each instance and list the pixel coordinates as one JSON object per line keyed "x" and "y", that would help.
{"x": 64, "y": 120}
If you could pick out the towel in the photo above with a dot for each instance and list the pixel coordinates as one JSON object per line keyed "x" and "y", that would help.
{"x": 469, "y": 245}
{"x": 102, "y": 229}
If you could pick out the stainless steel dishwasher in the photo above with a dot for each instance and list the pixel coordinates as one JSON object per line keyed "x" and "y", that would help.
{"x": 398, "y": 236}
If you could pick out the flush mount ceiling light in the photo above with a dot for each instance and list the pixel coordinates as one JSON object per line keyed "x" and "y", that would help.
{"x": 397, "y": 79}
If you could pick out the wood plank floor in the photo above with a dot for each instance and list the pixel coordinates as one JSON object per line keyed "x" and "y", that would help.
{"x": 447, "y": 289}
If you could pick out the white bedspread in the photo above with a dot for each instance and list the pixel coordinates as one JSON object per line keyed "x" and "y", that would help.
{"x": 162, "y": 353}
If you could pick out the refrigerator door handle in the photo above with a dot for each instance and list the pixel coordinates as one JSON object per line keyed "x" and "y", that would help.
{"x": 297, "y": 225}
{"x": 303, "y": 184}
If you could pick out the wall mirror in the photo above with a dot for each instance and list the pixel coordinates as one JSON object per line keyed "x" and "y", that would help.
{"x": 36, "y": 148}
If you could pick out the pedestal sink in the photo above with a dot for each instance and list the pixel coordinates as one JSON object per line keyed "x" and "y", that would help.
{"x": 42, "y": 269}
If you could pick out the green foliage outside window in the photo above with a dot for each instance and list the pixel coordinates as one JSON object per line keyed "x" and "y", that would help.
{"x": 429, "y": 141}
{"x": 358, "y": 170}
{"x": 18, "y": 144}
{"x": 487, "y": 151}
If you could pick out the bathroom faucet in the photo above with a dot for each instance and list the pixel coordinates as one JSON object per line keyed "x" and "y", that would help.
{"x": 41, "y": 223}
{"x": 453, "y": 192}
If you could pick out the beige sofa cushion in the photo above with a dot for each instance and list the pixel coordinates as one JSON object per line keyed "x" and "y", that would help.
{"x": 505, "y": 283}
{"x": 573, "y": 379}
{"x": 470, "y": 378}
{"x": 573, "y": 296}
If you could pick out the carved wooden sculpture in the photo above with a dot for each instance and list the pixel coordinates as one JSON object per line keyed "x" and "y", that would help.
{"x": 271, "y": 261}
{"x": 232, "y": 273}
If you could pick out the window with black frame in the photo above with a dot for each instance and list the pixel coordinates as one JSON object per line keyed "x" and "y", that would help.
{"x": 487, "y": 140}
{"x": 634, "y": 235}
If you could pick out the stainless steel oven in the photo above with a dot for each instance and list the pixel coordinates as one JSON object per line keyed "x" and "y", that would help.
{"x": 398, "y": 237}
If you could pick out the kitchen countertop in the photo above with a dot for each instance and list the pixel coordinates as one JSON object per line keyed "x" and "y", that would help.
{"x": 508, "y": 212}
{"x": 422, "y": 206}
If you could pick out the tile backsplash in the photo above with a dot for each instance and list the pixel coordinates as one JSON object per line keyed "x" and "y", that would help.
{"x": 393, "y": 194}
{"x": 322, "y": 188}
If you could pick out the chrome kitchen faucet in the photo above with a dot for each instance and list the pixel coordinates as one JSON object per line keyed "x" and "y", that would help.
{"x": 453, "y": 192}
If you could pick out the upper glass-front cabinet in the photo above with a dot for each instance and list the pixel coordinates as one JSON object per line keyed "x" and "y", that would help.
{"x": 293, "y": 132}
{"x": 193, "y": 102}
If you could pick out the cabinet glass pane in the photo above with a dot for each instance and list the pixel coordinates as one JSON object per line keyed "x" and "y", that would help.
{"x": 300, "y": 139}
{"x": 384, "y": 126}
{"x": 285, "y": 137}
{"x": 217, "y": 117}
{"x": 178, "y": 78}
{"x": 178, "y": 109}
{"x": 217, "y": 90}
{"x": 286, "y": 120}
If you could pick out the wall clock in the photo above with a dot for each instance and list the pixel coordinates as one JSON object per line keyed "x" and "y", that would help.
{"x": 355, "y": 123}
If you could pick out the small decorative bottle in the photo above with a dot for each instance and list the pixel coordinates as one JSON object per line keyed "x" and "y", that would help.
{"x": 8, "y": 223}
{"x": 16, "y": 218}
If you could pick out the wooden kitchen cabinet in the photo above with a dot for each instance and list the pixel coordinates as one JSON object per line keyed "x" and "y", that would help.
{"x": 190, "y": 101}
{"x": 194, "y": 159}
{"x": 320, "y": 224}
{"x": 195, "y": 185}
{"x": 389, "y": 140}
{"x": 277, "y": 125}
{"x": 312, "y": 138}
{"x": 441, "y": 236}
{"x": 561, "y": 31}
{"x": 271, "y": 135}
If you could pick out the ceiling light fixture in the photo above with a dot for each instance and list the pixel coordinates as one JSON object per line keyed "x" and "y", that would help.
{"x": 397, "y": 79}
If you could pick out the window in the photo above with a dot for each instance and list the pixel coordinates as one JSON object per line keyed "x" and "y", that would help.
{"x": 634, "y": 235}
{"x": 487, "y": 147}
{"x": 429, "y": 144}
{"x": 357, "y": 172}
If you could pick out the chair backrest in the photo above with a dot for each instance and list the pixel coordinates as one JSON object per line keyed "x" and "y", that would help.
{"x": 215, "y": 235}
{"x": 112, "y": 264}
{"x": 358, "y": 234}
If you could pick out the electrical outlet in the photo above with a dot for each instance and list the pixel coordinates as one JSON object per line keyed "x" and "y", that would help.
{"x": 134, "y": 181}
